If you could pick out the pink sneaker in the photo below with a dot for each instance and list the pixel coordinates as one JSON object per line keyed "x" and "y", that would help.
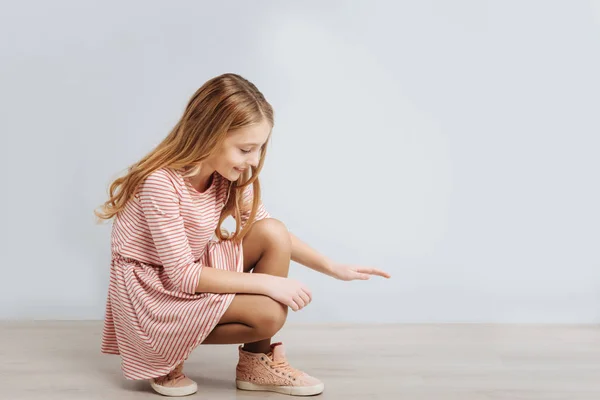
{"x": 175, "y": 383}
{"x": 271, "y": 372}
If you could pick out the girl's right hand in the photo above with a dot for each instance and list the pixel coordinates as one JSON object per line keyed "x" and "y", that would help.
{"x": 288, "y": 291}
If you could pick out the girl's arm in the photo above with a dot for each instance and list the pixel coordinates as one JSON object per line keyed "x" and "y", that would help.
{"x": 283, "y": 290}
{"x": 213, "y": 280}
{"x": 303, "y": 254}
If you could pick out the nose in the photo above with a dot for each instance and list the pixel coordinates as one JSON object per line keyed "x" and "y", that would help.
{"x": 254, "y": 160}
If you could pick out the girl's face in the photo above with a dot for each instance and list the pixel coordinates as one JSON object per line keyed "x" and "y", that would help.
{"x": 240, "y": 150}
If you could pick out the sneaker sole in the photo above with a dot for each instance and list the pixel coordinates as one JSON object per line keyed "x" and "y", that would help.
{"x": 174, "y": 391}
{"x": 291, "y": 390}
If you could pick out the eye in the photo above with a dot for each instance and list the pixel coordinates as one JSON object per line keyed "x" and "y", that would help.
{"x": 245, "y": 151}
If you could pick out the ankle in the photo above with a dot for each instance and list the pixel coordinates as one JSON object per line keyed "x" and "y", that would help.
{"x": 258, "y": 347}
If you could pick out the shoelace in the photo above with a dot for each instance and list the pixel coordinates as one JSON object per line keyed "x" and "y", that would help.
{"x": 283, "y": 366}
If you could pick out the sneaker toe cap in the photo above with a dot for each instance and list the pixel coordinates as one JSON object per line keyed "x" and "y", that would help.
{"x": 307, "y": 380}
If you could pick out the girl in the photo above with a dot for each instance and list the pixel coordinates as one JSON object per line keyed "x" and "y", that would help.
{"x": 173, "y": 285}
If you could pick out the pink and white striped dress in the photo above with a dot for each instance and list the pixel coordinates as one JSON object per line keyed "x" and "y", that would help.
{"x": 160, "y": 243}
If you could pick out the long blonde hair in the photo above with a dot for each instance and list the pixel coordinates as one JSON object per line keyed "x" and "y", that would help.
{"x": 223, "y": 103}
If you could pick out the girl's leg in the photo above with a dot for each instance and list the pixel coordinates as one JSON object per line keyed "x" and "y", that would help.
{"x": 254, "y": 319}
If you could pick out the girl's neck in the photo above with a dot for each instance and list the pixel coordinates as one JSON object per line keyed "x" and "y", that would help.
{"x": 202, "y": 181}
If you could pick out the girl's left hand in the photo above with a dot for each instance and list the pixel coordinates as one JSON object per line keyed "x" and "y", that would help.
{"x": 346, "y": 272}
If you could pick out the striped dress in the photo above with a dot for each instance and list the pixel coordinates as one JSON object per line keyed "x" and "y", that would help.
{"x": 160, "y": 243}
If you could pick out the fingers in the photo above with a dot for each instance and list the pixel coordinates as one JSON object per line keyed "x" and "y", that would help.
{"x": 292, "y": 304}
{"x": 296, "y": 303}
{"x": 306, "y": 290}
{"x": 381, "y": 273}
{"x": 301, "y": 299}
{"x": 374, "y": 271}
{"x": 305, "y": 297}
{"x": 364, "y": 277}
{"x": 306, "y": 293}
{"x": 301, "y": 304}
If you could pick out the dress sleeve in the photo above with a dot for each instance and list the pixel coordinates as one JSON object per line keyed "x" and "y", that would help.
{"x": 261, "y": 213}
{"x": 160, "y": 204}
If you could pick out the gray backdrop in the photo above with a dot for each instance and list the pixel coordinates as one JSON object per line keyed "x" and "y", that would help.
{"x": 454, "y": 144}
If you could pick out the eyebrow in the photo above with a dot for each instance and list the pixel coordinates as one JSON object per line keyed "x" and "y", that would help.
{"x": 250, "y": 144}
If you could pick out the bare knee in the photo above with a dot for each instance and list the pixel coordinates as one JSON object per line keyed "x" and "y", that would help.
{"x": 269, "y": 318}
{"x": 274, "y": 233}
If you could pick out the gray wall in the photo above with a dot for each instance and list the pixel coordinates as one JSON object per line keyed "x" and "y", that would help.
{"x": 454, "y": 144}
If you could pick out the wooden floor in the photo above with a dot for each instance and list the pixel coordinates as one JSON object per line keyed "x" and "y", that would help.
{"x": 61, "y": 360}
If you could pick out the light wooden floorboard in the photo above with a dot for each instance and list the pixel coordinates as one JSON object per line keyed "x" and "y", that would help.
{"x": 61, "y": 360}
